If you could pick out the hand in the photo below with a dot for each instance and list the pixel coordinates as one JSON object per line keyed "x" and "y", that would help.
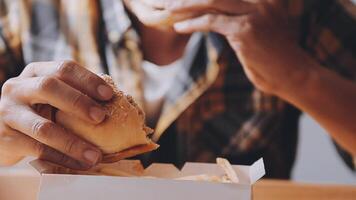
{"x": 158, "y": 13}
{"x": 265, "y": 41}
{"x": 259, "y": 31}
{"x": 26, "y": 108}
{"x": 152, "y": 16}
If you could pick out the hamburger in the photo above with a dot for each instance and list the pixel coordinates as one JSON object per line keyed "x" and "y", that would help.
{"x": 121, "y": 135}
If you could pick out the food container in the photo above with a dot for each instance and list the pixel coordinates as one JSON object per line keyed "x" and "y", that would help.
{"x": 158, "y": 181}
{"x": 20, "y": 182}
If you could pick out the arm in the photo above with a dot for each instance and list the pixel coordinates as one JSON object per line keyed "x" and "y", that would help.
{"x": 328, "y": 98}
{"x": 265, "y": 41}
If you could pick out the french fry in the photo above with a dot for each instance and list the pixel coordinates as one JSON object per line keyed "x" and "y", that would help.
{"x": 226, "y": 166}
{"x": 115, "y": 172}
{"x": 201, "y": 177}
{"x": 229, "y": 177}
{"x": 131, "y": 168}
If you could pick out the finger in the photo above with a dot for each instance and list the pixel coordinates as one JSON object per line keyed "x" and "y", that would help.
{"x": 49, "y": 90}
{"x": 156, "y": 4}
{"x": 275, "y": 7}
{"x": 278, "y": 3}
{"x": 47, "y": 153}
{"x": 15, "y": 145}
{"x": 74, "y": 75}
{"x": 222, "y": 24}
{"x": 47, "y": 132}
{"x": 149, "y": 15}
{"x": 231, "y": 7}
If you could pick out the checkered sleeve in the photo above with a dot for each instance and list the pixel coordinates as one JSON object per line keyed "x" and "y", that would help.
{"x": 10, "y": 47}
{"x": 331, "y": 35}
{"x": 331, "y": 39}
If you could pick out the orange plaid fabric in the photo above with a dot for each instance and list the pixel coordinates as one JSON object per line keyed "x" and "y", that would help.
{"x": 212, "y": 109}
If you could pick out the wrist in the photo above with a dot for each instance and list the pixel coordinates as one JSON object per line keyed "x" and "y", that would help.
{"x": 301, "y": 78}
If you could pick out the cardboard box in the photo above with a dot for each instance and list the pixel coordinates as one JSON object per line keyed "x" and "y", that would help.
{"x": 58, "y": 183}
{"x": 19, "y": 183}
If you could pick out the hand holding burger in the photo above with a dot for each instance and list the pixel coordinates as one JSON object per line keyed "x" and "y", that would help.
{"x": 41, "y": 109}
{"x": 121, "y": 135}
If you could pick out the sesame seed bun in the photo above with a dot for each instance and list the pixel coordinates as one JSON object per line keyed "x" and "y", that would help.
{"x": 121, "y": 135}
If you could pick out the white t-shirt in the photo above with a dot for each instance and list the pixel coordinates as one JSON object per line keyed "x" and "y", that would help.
{"x": 157, "y": 82}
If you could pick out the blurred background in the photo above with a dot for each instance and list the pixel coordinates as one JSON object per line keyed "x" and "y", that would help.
{"x": 317, "y": 158}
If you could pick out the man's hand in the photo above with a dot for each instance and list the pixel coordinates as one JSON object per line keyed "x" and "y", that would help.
{"x": 265, "y": 42}
{"x": 258, "y": 30}
{"x": 164, "y": 13}
{"x": 26, "y": 107}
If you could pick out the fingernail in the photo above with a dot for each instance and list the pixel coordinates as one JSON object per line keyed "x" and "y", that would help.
{"x": 97, "y": 114}
{"x": 105, "y": 91}
{"x": 91, "y": 156}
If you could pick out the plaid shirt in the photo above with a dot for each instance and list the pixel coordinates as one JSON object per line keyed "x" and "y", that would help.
{"x": 212, "y": 109}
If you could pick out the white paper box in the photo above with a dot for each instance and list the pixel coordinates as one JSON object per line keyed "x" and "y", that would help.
{"x": 20, "y": 182}
{"x": 88, "y": 187}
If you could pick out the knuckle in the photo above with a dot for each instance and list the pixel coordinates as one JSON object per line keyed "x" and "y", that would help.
{"x": 247, "y": 28}
{"x": 63, "y": 159}
{"x": 250, "y": 23}
{"x": 77, "y": 100}
{"x": 85, "y": 78}
{"x": 66, "y": 68}
{"x": 42, "y": 129}
{"x": 93, "y": 79}
{"x": 70, "y": 145}
{"x": 209, "y": 19}
{"x": 39, "y": 148}
{"x": 8, "y": 86}
{"x": 31, "y": 66}
{"x": 47, "y": 84}
{"x": 4, "y": 110}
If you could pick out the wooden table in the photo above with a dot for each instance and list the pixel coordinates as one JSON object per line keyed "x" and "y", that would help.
{"x": 287, "y": 190}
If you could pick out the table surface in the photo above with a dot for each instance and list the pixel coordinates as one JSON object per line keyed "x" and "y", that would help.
{"x": 278, "y": 190}
{"x": 27, "y": 183}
